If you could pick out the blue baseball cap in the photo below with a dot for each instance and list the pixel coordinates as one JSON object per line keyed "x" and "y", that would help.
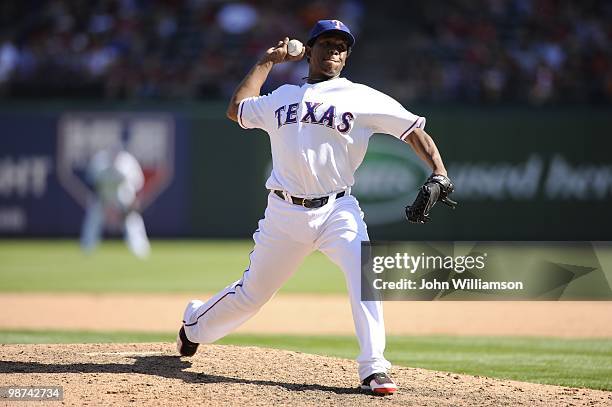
{"x": 323, "y": 26}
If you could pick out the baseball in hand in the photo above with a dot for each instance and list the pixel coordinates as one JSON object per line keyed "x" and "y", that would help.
{"x": 294, "y": 47}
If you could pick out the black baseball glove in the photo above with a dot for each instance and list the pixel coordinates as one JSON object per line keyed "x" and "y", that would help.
{"x": 436, "y": 188}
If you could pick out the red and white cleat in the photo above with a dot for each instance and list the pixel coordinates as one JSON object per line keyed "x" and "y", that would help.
{"x": 379, "y": 383}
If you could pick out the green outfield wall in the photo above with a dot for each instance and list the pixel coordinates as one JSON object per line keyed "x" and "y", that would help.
{"x": 520, "y": 174}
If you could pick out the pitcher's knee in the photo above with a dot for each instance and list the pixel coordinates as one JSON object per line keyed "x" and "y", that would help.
{"x": 250, "y": 301}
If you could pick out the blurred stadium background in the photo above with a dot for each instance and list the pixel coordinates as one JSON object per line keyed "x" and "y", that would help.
{"x": 517, "y": 94}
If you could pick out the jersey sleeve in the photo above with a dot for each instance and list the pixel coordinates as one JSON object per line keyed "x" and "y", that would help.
{"x": 386, "y": 115}
{"x": 257, "y": 112}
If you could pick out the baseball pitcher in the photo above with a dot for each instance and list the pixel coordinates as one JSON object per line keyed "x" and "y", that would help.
{"x": 319, "y": 134}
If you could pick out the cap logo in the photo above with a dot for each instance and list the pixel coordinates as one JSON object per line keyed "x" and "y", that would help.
{"x": 336, "y": 23}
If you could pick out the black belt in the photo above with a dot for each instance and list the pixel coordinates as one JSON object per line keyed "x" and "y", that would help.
{"x": 309, "y": 203}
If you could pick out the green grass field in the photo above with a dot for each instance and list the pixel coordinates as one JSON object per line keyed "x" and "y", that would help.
{"x": 565, "y": 362}
{"x": 174, "y": 266}
{"x": 205, "y": 266}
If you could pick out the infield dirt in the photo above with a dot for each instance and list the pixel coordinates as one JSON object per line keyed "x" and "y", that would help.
{"x": 318, "y": 315}
{"x": 152, "y": 374}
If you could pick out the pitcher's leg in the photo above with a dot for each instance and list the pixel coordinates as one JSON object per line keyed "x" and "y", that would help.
{"x": 341, "y": 242}
{"x": 136, "y": 235}
{"x": 91, "y": 229}
{"x": 273, "y": 260}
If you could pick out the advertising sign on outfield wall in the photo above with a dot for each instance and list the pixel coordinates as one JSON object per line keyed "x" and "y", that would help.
{"x": 43, "y": 187}
{"x": 148, "y": 137}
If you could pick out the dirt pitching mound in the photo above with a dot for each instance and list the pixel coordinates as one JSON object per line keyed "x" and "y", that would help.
{"x": 152, "y": 374}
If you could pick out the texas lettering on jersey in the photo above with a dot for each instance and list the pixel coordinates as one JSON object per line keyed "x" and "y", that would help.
{"x": 301, "y": 121}
{"x": 287, "y": 114}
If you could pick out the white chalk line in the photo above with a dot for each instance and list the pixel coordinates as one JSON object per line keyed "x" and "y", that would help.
{"x": 123, "y": 353}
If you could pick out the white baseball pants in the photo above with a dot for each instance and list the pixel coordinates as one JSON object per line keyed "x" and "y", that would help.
{"x": 286, "y": 235}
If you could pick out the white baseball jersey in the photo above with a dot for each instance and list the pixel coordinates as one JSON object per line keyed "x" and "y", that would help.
{"x": 319, "y": 132}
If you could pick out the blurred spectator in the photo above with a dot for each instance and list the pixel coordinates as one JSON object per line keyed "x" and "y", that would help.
{"x": 480, "y": 51}
{"x": 237, "y": 18}
{"x": 8, "y": 59}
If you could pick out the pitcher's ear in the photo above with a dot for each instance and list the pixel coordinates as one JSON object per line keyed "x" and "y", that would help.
{"x": 308, "y": 52}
